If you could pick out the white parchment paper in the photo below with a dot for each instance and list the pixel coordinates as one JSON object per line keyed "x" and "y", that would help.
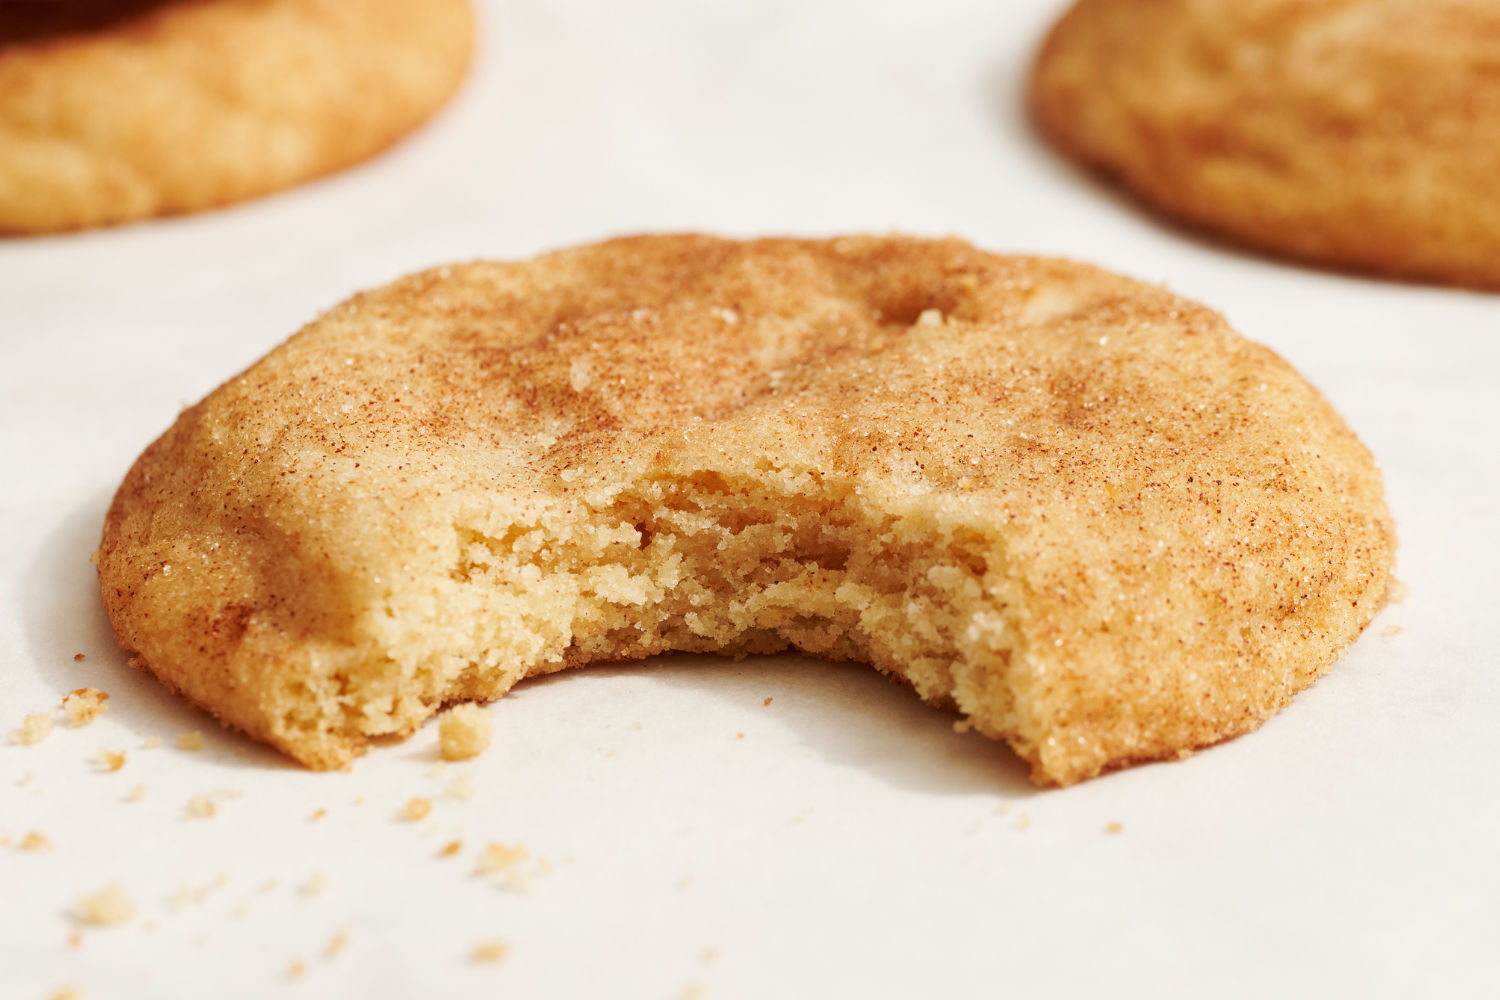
{"x": 685, "y": 838}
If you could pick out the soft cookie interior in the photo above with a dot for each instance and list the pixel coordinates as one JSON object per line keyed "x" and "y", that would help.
{"x": 1082, "y": 512}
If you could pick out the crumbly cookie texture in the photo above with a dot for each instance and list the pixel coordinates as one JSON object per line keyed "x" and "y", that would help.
{"x": 34, "y": 728}
{"x": 1345, "y": 132}
{"x": 84, "y": 705}
{"x": 1078, "y": 510}
{"x": 116, "y": 110}
{"x": 463, "y": 732}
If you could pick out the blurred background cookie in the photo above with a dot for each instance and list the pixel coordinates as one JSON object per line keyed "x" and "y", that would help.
{"x": 1352, "y": 133}
{"x": 115, "y": 110}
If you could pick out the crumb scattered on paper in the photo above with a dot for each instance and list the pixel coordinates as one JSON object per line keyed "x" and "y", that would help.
{"x": 464, "y": 732}
{"x": 110, "y": 760}
{"x": 416, "y": 809}
{"x": 190, "y": 741}
{"x": 317, "y": 815}
{"x": 490, "y": 951}
{"x": 137, "y": 794}
{"x": 451, "y": 848}
{"x": 84, "y": 705}
{"x": 202, "y": 806}
{"x": 336, "y": 944}
{"x": 767, "y": 701}
{"x": 1114, "y": 828}
{"x": 500, "y": 858}
{"x": 107, "y": 908}
{"x": 151, "y": 743}
{"x": 511, "y": 863}
{"x": 78, "y": 656}
{"x": 297, "y": 969}
{"x": 35, "y": 841}
{"x": 34, "y": 728}
{"x": 1391, "y": 631}
{"x": 461, "y": 787}
{"x": 187, "y": 895}
{"x": 68, "y": 992}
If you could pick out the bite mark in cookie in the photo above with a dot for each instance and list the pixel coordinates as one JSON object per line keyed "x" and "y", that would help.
{"x": 1078, "y": 510}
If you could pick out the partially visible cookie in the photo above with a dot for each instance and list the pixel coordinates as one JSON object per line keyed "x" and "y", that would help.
{"x": 1079, "y": 510}
{"x": 1355, "y": 133}
{"x": 116, "y": 110}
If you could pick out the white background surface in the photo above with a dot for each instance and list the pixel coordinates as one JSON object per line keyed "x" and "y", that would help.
{"x": 851, "y": 844}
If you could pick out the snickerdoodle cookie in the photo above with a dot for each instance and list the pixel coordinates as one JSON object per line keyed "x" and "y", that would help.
{"x": 1079, "y": 510}
{"x": 1355, "y": 133}
{"x": 115, "y": 110}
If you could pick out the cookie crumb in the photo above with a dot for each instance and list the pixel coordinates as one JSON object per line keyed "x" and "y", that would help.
{"x": 1391, "y": 631}
{"x": 151, "y": 743}
{"x": 78, "y": 656}
{"x": 490, "y": 951}
{"x": 416, "y": 809}
{"x": 336, "y": 944}
{"x": 190, "y": 741}
{"x": 137, "y": 794}
{"x": 461, "y": 787}
{"x": 499, "y": 858}
{"x": 107, "y": 908}
{"x": 314, "y": 885}
{"x": 317, "y": 815}
{"x": 187, "y": 895}
{"x": 1397, "y": 591}
{"x": 739, "y": 736}
{"x": 297, "y": 969}
{"x": 67, "y": 993}
{"x": 84, "y": 705}
{"x": 451, "y": 849}
{"x": 464, "y": 732}
{"x": 507, "y": 861}
{"x": 202, "y": 807}
{"x": 1114, "y": 828}
{"x": 112, "y": 761}
{"x": 963, "y": 725}
{"x": 35, "y": 841}
{"x": 34, "y": 728}
{"x": 1023, "y": 822}
{"x": 708, "y": 955}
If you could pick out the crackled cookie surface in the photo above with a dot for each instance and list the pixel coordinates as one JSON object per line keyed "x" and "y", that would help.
{"x": 1355, "y": 133}
{"x": 1078, "y": 510}
{"x": 116, "y": 110}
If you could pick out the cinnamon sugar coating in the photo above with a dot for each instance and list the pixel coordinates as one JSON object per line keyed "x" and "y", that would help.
{"x": 1353, "y": 133}
{"x": 1078, "y": 510}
